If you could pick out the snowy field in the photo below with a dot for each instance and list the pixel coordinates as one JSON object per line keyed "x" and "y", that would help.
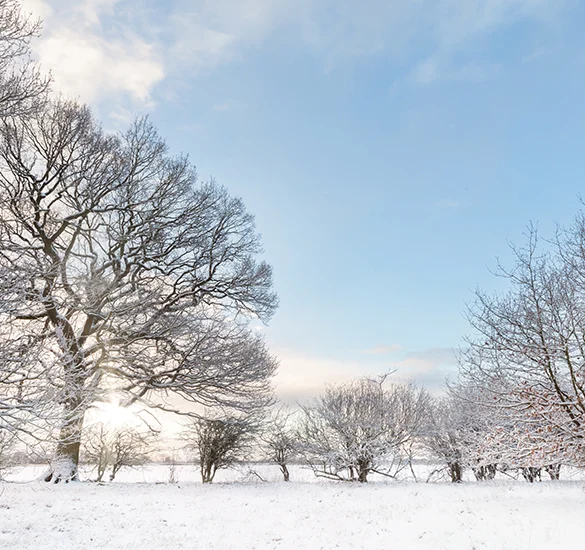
{"x": 139, "y": 512}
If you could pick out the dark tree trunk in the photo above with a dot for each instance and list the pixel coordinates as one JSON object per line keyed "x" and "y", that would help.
{"x": 363, "y": 476}
{"x": 554, "y": 471}
{"x": 531, "y": 474}
{"x": 100, "y": 474}
{"x": 115, "y": 470}
{"x": 208, "y": 469}
{"x": 64, "y": 466}
{"x": 456, "y": 472}
{"x": 491, "y": 471}
{"x": 363, "y": 468}
{"x": 483, "y": 473}
{"x": 285, "y": 472}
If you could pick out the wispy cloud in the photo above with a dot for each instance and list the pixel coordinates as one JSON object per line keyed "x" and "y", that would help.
{"x": 114, "y": 48}
{"x": 435, "y": 69}
{"x": 301, "y": 377}
{"x": 383, "y": 349}
{"x": 430, "y": 368}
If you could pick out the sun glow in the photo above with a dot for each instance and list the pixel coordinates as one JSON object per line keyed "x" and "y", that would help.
{"x": 112, "y": 414}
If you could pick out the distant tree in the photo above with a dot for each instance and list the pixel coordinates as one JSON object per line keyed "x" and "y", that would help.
{"x": 362, "y": 427}
{"x": 220, "y": 443}
{"x": 130, "y": 447}
{"x": 114, "y": 448}
{"x": 445, "y": 436}
{"x": 279, "y": 440}
{"x": 97, "y": 448}
{"x": 120, "y": 273}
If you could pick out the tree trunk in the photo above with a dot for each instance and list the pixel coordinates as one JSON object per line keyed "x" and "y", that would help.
{"x": 455, "y": 471}
{"x": 208, "y": 470}
{"x": 485, "y": 472}
{"x": 491, "y": 471}
{"x": 285, "y": 472}
{"x": 554, "y": 471}
{"x": 65, "y": 463}
{"x": 363, "y": 469}
{"x": 531, "y": 474}
{"x": 115, "y": 469}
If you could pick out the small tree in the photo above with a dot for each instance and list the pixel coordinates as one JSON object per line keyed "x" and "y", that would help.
{"x": 279, "y": 441}
{"x": 114, "y": 448}
{"x": 130, "y": 448}
{"x": 97, "y": 448}
{"x": 362, "y": 427}
{"x": 444, "y": 437}
{"x": 220, "y": 443}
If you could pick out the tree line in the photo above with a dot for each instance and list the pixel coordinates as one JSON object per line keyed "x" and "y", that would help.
{"x": 368, "y": 426}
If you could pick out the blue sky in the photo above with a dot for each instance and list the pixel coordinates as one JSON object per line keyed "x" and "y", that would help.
{"x": 388, "y": 149}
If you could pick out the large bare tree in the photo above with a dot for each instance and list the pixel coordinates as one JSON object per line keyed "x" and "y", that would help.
{"x": 121, "y": 275}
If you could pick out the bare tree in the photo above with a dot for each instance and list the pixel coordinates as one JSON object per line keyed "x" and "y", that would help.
{"x": 362, "y": 427}
{"x": 279, "y": 440}
{"x": 445, "y": 435}
{"x": 469, "y": 429}
{"x": 114, "y": 448}
{"x": 220, "y": 443}
{"x": 528, "y": 353}
{"x": 120, "y": 274}
{"x": 130, "y": 447}
{"x": 97, "y": 448}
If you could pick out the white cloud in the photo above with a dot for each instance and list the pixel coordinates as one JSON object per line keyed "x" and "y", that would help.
{"x": 91, "y": 68}
{"x": 429, "y": 368}
{"x": 39, "y": 8}
{"x": 89, "y": 63}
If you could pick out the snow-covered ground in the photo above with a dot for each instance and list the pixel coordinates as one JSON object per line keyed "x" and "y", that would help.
{"x": 300, "y": 515}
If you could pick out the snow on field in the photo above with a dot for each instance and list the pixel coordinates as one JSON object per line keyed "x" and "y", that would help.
{"x": 298, "y": 515}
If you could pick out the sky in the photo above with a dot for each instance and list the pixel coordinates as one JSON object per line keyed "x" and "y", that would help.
{"x": 390, "y": 150}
